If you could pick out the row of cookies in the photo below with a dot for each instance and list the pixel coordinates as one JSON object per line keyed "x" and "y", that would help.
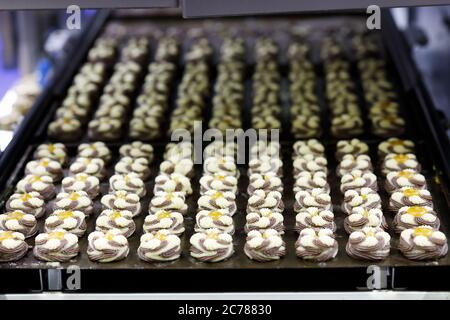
{"x": 305, "y": 111}
{"x": 314, "y": 219}
{"x": 415, "y": 218}
{"x": 379, "y": 93}
{"x": 264, "y": 220}
{"x": 193, "y": 88}
{"x": 214, "y": 227}
{"x": 153, "y": 101}
{"x": 345, "y": 113}
{"x": 266, "y": 107}
{"x": 365, "y": 221}
{"x": 164, "y": 223}
{"x": 229, "y": 86}
{"x": 84, "y": 91}
{"x": 109, "y": 118}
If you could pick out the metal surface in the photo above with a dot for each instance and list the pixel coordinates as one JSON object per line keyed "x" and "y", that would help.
{"x": 133, "y": 275}
{"x": 227, "y": 296}
{"x": 85, "y": 4}
{"x": 201, "y": 8}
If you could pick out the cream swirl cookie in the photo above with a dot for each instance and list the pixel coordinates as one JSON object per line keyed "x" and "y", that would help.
{"x": 90, "y": 166}
{"x": 423, "y": 243}
{"x": 266, "y": 245}
{"x": 12, "y": 246}
{"x": 388, "y": 125}
{"x": 114, "y": 219}
{"x": 45, "y": 167}
{"x": 395, "y": 145}
{"x": 171, "y": 221}
{"x": 305, "y": 147}
{"x": 82, "y": 182}
{"x": 405, "y": 178}
{"x": 19, "y": 221}
{"x": 177, "y": 151}
{"x": 361, "y": 217}
{"x": 265, "y": 165}
{"x": 159, "y": 246}
{"x": 65, "y": 129}
{"x": 310, "y": 163}
{"x": 105, "y": 128}
{"x": 371, "y": 244}
{"x": 207, "y": 219}
{"x": 314, "y": 218}
{"x": 354, "y": 147}
{"x": 358, "y": 179}
{"x": 311, "y": 180}
{"x": 415, "y": 216}
{"x": 30, "y": 203}
{"x": 122, "y": 200}
{"x": 220, "y": 149}
{"x": 216, "y": 200}
{"x": 56, "y": 246}
{"x": 169, "y": 201}
{"x": 173, "y": 183}
{"x": 107, "y": 246}
{"x": 265, "y": 149}
{"x": 137, "y": 149}
{"x": 306, "y": 126}
{"x": 261, "y": 199}
{"x": 139, "y": 166}
{"x": 267, "y": 182}
{"x": 43, "y": 185}
{"x": 365, "y": 198}
{"x": 53, "y": 151}
{"x": 347, "y": 125}
{"x": 312, "y": 198}
{"x": 71, "y": 221}
{"x": 350, "y": 162}
{"x": 211, "y": 245}
{"x": 95, "y": 150}
{"x": 410, "y": 197}
{"x": 264, "y": 219}
{"x": 225, "y": 166}
{"x": 74, "y": 201}
{"x": 127, "y": 182}
{"x": 399, "y": 162}
{"x": 184, "y": 167}
{"x": 218, "y": 182}
{"x": 316, "y": 245}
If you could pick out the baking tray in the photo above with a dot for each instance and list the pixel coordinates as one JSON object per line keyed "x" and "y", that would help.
{"x": 290, "y": 273}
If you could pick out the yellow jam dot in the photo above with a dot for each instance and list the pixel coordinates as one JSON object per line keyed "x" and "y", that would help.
{"x": 67, "y": 120}
{"x": 35, "y": 179}
{"x": 405, "y": 174}
{"x": 121, "y": 195}
{"x": 51, "y": 148}
{"x": 74, "y": 196}
{"x": 82, "y": 177}
{"x": 115, "y": 215}
{"x": 160, "y": 236}
{"x": 5, "y": 235}
{"x": 385, "y": 104}
{"x": 221, "y": 161}
{"x": 212, "y": 235}
{"x": 169, "y": 196}
{"x": 163, "y": 214}
{"x": 65, "y": 215}
{"x": 25, "y": 197}
{"x": 15, "y": 215}
{"x": 396, "y": 142}
{"x": 215, "y": 215}
{"x": 410, "y": 192}
{"x": 45, "y": 163}
{"x": 421, "y": 231}
{"x": 109, "y": 236}
{"x": 127, "y": 179}
{"x": 370, "y": 233}
{"x": 87, "y": 161}
{"x": 217, "y": 195}
{"x": 401, "y": 158}
{"x": 416, "y": 211}
{"x": 364, "y": 197}
{"x": 219, "y": 177}
{"x": 59, "y": 235}
{"x": 365, "y": 213}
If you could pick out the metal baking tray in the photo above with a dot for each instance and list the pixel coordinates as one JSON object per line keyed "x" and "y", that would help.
{"x": 239, "y": 273}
